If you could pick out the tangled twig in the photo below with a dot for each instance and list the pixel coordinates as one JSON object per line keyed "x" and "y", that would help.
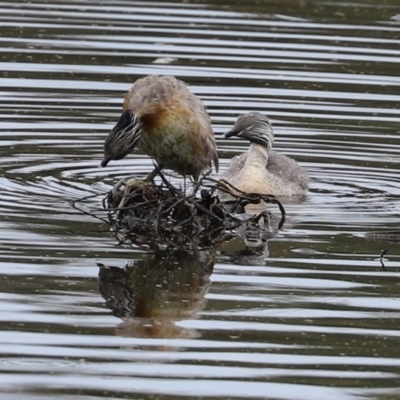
{"x": 156, "y": 215}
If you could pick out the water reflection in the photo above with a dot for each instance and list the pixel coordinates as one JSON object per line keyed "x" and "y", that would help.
{"x": 250, "y": 247}
{"x": 308, "y": 313}
{"x": 152, "y": 294}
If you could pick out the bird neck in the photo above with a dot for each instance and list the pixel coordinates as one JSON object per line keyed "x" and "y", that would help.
{"x": 257, "y": 156}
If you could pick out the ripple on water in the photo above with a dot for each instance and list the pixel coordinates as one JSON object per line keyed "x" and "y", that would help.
{"x": 309, "y": 314}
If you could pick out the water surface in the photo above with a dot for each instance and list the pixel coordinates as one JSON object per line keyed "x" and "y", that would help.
{"x": 311, "y": 315}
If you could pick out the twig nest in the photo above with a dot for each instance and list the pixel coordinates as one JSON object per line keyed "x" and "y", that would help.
{"x": 161, "y": 216}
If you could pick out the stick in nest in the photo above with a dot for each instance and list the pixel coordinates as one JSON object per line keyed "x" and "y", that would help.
{"x": 243, "y": 199}
{"x": 163, "y": 213}
{"x": 154, "y": 214}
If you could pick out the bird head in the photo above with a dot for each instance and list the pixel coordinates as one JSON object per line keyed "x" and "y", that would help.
{"x": 123, "y": 138}
{"x": 255, "y": 127}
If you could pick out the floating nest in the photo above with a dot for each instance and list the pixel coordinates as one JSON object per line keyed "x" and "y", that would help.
{"x": 162, "y": 216}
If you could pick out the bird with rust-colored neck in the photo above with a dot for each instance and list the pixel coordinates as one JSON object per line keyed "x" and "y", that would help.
{"x": 262, "y": 170}
{"x": 167, "y": 122}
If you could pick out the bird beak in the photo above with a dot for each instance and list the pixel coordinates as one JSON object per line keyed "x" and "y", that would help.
{"x": 231, "y": 133}
{"x": 105, "y": 161}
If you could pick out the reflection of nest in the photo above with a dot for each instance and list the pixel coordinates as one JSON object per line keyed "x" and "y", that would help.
{"x": 160, "y": 215}
{"x": 172, "y": 285}
{"x": 153, "y": 293}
